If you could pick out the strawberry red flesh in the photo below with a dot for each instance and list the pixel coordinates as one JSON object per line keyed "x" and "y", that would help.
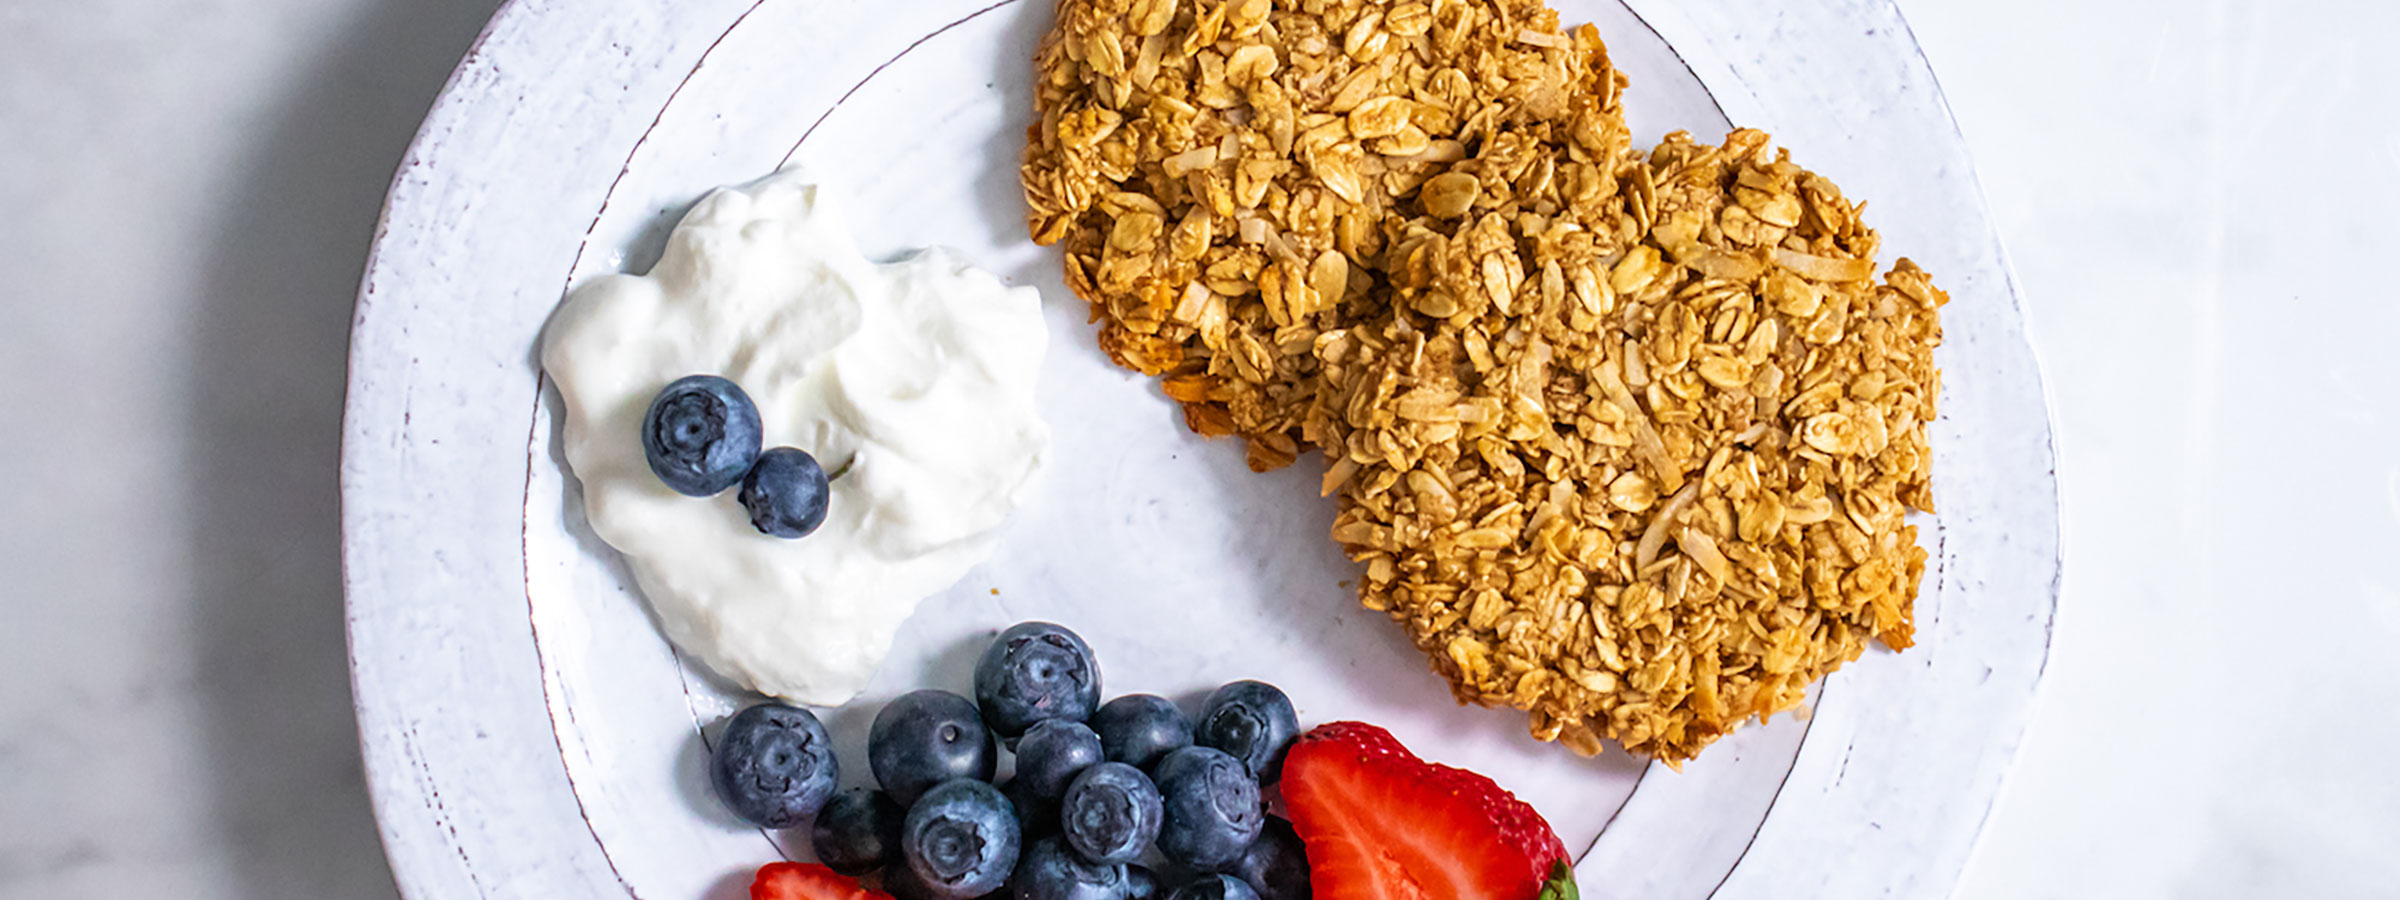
{"x": 1381, "y": 824}
{"x": 807, "y": 881}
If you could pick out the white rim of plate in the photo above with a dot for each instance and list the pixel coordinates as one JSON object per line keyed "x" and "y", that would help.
{"x": 412, "y": 664}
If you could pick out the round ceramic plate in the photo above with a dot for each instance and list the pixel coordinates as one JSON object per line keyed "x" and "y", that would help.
{"x": 528, "y": 733}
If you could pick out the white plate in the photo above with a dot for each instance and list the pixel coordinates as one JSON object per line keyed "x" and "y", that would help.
{"x": 528, "y": 733}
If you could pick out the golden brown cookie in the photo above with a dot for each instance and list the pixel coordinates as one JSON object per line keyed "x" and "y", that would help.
{"x": 1224, "y": 176}
{"x": 1647, "y": 489}
{"x": 1621, "y": 440}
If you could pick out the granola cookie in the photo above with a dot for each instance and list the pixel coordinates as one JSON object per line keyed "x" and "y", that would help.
{"x": 1622, "y": 440}
{"x": 1655, "y": 487}
{"x": 1224, "y": 177}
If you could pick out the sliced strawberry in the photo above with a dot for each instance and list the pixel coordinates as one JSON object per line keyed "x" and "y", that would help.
{"x": 1381, "y": 824}
{"x": 808, "y": 881}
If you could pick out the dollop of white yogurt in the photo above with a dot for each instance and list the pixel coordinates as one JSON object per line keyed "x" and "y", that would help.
{"x": 918, "y": 374}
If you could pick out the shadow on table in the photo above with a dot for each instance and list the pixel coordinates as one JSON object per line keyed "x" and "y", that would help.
{"x": 264, "y": 398}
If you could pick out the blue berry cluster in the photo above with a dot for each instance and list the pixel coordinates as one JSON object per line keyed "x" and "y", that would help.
{"x": 702, "y": 435}
{"x": 1108, "y": 801}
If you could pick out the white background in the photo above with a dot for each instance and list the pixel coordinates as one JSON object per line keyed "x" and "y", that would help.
{"x": 2202, "y": 200}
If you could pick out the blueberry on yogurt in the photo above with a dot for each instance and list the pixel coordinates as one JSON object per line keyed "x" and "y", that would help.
{"x": 701, "y": 435}
{"x": 785, "y": 492}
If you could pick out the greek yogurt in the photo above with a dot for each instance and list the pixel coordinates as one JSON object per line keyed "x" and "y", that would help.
{"x": 917, "y": 374}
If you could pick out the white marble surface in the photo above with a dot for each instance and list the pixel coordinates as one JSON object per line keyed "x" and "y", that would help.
{"x": 2196, "y": 195}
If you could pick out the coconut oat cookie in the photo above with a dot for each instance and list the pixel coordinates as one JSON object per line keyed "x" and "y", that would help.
{"x": 1225, "y": 175}
{"x": 1656, "y": 487}
{"x": 1622, "y": 440}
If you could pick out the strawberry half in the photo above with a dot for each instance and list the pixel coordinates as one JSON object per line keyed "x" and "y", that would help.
{"x": 807, "y": 881}
{"x": 1381, "y": 824}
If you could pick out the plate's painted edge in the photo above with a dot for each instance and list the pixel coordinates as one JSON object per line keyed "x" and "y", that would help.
{"x": 427, "y": 836}
{"x": 2055, "y": 498}
{"x": 470, "y": 806}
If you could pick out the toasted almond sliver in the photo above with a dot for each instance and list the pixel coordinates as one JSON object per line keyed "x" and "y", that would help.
{"x": 1544, "y": 39}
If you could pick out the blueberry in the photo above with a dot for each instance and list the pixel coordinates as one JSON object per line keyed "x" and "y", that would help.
{"x": 773, "y": 765}
{"x": 701, "y": 434}
{"x": 1212, "y": 808}
{"x": 1252, "y": 721}
{"x": 858, "y": 832}
{"x": 1036, "y": 816}
{"x": 1051, "y": 871}
{"x": 1139, "y": 729}
{"x": 1051, "y": 754}
{"x": 1214, "y": 887}
{"x": 961, "y": 838}
{"x": 1140, "y": 882}
{"x": 1112, "y": 813}
{"x": 924, "y": 738}
{"x": 1276, "y": 865}
{"x": 903, "y": 884}
{"x": 785, "y": 492}
{"x": 1032, "y": 672}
